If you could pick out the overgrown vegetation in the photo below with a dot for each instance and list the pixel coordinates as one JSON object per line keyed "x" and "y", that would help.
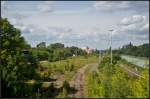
{"x": 25, "y": 69}
{"x": 20, "y": 63}
{"x": 69, "y": 66}
{"x": 112, "y": 81}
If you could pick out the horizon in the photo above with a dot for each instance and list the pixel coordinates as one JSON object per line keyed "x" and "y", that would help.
{"x": 90, "y": 47}
{"x": 80, "y": 23}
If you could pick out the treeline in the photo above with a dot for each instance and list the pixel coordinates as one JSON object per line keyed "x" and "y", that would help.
{"x": 130, "y": 49}
{"x": 55, "y": 52}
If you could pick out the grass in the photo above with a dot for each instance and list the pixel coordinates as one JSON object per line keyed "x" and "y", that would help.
{"x": 69, "y": 66}
{"x": 78, "y": 61}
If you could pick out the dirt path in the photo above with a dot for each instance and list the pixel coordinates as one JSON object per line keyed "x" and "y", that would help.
{"x": 78, "y": 81}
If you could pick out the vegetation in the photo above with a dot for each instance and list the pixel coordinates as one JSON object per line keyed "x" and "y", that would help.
{"x": 69, "y": 66}
{"x": 21, "y": 63}
{"x": 32, "y": 72}
{"x": 112, "y": 81}
{"x": 55, "y": 52}
{"x": 130, "y": 49}
{"x": 14, "y": 65}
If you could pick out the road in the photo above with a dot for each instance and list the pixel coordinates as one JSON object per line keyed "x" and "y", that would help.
{"x": 78, "y": 81}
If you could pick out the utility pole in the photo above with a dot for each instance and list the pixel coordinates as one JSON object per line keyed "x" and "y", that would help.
{"x": 99, "y": 56}
{"x": 77, "y": 47}
{"x": 111, "y": 45}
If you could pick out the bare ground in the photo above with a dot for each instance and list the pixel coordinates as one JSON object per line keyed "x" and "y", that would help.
{"x": 78, "y": 81}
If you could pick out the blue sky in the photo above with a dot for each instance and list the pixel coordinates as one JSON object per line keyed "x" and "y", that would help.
{"x": 80, "y": 23}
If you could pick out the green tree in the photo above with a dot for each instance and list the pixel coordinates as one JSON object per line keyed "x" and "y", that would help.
{"x": 41, "y": 45}
{"x": 130, "y": 49}
{"x": 55, "y": 46}
{"x": 14, "y": 66}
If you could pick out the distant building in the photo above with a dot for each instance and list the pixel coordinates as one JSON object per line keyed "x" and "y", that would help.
{"x": 88, "y": 50}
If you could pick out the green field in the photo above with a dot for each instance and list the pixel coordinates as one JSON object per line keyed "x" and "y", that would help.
{"x": 69, "y": 66}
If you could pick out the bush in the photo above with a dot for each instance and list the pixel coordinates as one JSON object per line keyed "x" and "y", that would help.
{"x": 66, "y": 86}
{"x": 116, "y": 58}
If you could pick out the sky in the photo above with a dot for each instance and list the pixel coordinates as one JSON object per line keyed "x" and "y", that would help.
{"x": 80, "y": 23}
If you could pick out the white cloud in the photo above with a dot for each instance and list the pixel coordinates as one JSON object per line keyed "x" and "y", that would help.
{"x": 25, "y": 28}
{"x": 46, "y": 6}
{"x": 135, "y": 27}
{"x": 4, "y": 8}
{"x": 134, "y": 24}
{"x": 86, "y": 25}
{"x": 142, "y": 37}
{"x": 121, "y": 5}
{"x": 49, "y": 2}
{"x": 88, "y": 32}
{"x": 108, "y": 5}
{"x": 145, "y": 27}
{"x": 133, "y": 19}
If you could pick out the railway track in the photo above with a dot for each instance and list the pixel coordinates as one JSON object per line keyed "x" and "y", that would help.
{"x": 131, "y": 72}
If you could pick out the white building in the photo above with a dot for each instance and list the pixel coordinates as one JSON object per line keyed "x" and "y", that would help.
{"x": 87, "y": 49}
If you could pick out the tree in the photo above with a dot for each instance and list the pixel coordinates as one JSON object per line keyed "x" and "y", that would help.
{"x": 41, "y": 45}
{"x": 130, "y": 49}
{"x": 14, "y": 66}
{"x": 40, "y": 54}
{"x": 55, "y": 46}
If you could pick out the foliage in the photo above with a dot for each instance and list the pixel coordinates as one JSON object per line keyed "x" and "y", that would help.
{"x": 120, "y": 85}
{"x": 130, "y": 49}
{"x": 69, "y": 66}
{"x": 55, "y": 46}
{"x": 140, "y": 87}
{"x": 41, "y": 45}
{"x": 40, "y": 54}
{"x": 55, "y": 52}
{"x": 112, "y": 82}
{"x": 15, "y": 66}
